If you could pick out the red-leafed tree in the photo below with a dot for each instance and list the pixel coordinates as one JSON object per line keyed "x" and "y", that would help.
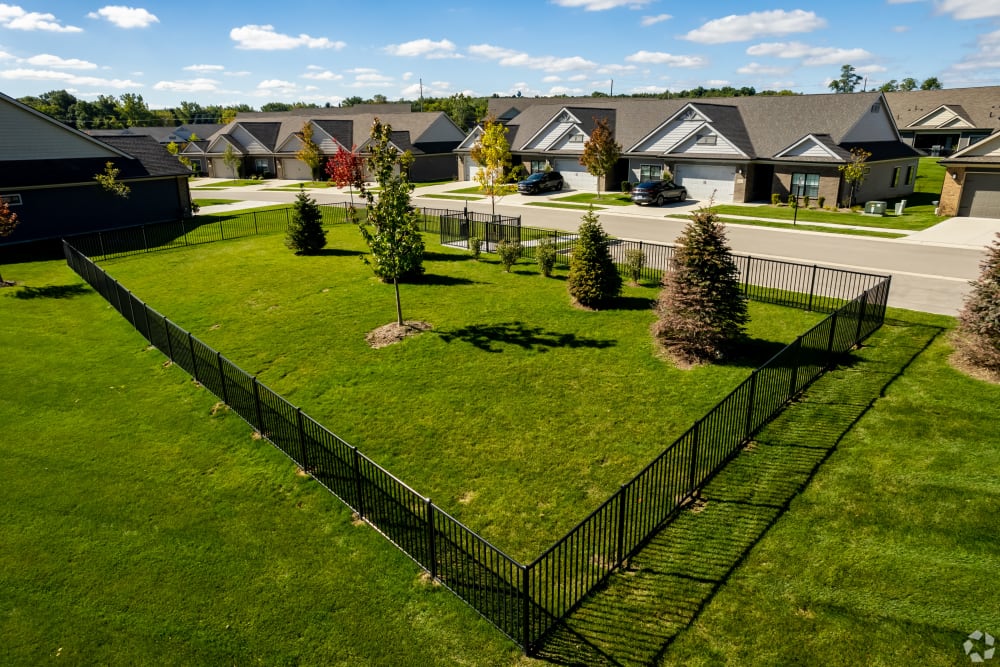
{"x": 346, "y": 168}
{"x": 8, "y": 221}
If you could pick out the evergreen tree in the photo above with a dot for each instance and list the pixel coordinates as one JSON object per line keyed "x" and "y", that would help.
{"x": 977, "y": 338}
{"x": 594, "y": 281}
{"x": 306, "y": 235}
{"x": 701, "y": 311}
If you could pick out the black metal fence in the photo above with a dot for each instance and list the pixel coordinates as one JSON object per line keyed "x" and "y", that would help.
{"x": 526, "y": 601}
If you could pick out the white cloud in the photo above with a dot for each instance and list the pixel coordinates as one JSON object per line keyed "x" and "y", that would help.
{"x": 647, "y": 89}
{"x": 600, "y": 5}
{"x": 616, "y": 69}
{"x": 552, "y": 78}
{"x": 986, "y": 58}
{"x": 810, "y": 55}
{"x": 741, "y": 28}
{"x": 969, "y": 9}
{"x": 325, "y": 75}
{"x": 406, "y": 76}
{"x": 190, "y": 86}
{"x": 5, "y": 56}
{"x": 757, "y": 68}
{"x": 272, "y": 87}
{"x": 48, "y": 60}
{"x": 653, "y": 20}
{"x": 264, "y": 38}
{"x": 563, "y": 90}
{"x": 15, "y": 18}
{"x": 577, "y": 77}
{"x": 900, "y": 28}
{"x": 366, "y": 77}
{"x": 718, "y": 83}
{"x": 903, "y": 2}
{"x": 204, "y": 68}
{"x": 511, "y": 58}
{"x": 240, "y": 73}
{"x": 432, "y": 89}
{"x": 66, "y": 78}
{"x": 659, "y": 58}
{"x": 125, "y": 17}
{"x": 425, "y": 48}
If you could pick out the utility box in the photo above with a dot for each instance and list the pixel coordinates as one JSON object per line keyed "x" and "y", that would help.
{"x": 875, "y": 208}
{"x": 900, "y": 206}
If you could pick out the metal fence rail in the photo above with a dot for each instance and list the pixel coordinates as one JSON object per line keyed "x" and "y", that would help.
{"x": 525, "y": 602}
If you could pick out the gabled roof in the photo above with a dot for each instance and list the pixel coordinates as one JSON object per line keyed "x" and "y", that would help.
{"x": 164, "y": 135}
{"x": 979, "y": 106}
{"x": 984, "y": 151}
{"x": 341, "y": 130}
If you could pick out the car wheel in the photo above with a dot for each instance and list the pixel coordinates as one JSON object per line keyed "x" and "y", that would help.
{"x": 560, "y": 186}
{"x": 659, "y": 200}
{"x": 682, "y": 196}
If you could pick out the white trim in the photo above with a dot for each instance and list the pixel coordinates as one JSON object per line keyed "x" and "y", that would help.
{"x": 810, "y": 138}
{"x": 554, "y": 120}
{"x": 677, "y": 116}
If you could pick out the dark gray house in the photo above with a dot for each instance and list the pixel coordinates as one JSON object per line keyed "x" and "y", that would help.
{"x": 47, "y": 174}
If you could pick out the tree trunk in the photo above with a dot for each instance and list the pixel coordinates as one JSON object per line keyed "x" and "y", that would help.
{"x": 399, "y": 307}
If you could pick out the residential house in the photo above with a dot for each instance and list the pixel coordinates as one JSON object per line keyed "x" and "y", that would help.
{"x": 179, "y": 135}
{"x": 972, "y": 184}
{"x": 940, "y": 122}
{"x": 267, "y": 143}
{"x": 47, "y": 172}
{"x": 735, "y": 149}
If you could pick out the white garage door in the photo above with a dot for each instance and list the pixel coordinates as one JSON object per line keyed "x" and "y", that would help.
{"x": 981, "y": 196}
{"x": 294, "y": 169}
{"x": 470, "y": 169}
{"x": 575, "y": 175}
{"x": 702, "y": 180}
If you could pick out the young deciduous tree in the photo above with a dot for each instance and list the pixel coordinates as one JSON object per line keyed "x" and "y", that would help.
{"x": 855, "y": 172}
{"x": 701, "y": 312}
{"x": 8, "y": 221}
{"x": 390, "y": 228}
{"x": 347, "y": 167}
{"x": 108, "y": 180}
{"x": 492, "y": 154}
{"x": 601, "y": 152}
{"x": 977, "y": 338}
{"x": 306, "y": 235}
{"x": 594, "y": 281}
{"x": 232, "y": 159}
{"x": 309, "y": 153}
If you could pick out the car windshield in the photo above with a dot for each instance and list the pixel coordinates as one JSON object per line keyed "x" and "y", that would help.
{"x": 537, "y": 176}
{"x": 648, "y": 184}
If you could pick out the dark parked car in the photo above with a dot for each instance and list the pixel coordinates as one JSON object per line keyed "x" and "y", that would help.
{"x": 540, "y": 181}
{"x": 658, "y": 192}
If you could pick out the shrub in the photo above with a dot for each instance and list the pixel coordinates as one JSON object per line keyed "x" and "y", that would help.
{"x": 545, "y": 255}
{"x": 805, "y": 201}
{"x": 475, "y": 246}
{"x": 509, "y": 251}
{"x": 977, "y": 338}
{"x": 702, "y": 312}
{"x": 775, "y": 199}
{"x": 305, "y": 235}
{"x": 626, "y": 186}
{"x": 518, "y": 173}
{"x": 793, "y": 201}
{"x": 820, "y": 201}
{"x": 635, "y": 259}
{"x": 594, "y": 281}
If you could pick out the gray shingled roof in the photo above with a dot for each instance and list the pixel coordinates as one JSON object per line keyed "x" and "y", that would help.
{"x": 981, "y": 106}
{"x": 153, "y": 157}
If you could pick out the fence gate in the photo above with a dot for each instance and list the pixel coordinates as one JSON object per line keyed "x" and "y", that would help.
{"x": 455, "y": 228}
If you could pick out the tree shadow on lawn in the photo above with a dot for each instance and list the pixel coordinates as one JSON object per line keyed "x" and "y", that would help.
{"x": 337, "y": 252}
{"x": 51, "y": 292}
{"x": 494, "y": 337}
{"x": 642, "y": 610}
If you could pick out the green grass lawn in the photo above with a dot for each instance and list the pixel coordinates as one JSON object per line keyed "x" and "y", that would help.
{"x": 236, "y": 183}
{"x": 605, "y": 198}
{"x": 513, "y": 381}
{"x": 802, "y": 227}
{"x": 446, "y": 196}
{"x": 213, "y": 202}
{"x": 141, "y": 528}
{"x": 556, "y": 204}
{"x": 305, "y": 184}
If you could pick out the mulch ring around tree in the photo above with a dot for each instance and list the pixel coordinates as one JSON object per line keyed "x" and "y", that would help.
{"x": 394, "y": 332}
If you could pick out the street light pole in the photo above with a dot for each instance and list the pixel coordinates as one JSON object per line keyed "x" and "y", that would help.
{"x": 796, "y": 191}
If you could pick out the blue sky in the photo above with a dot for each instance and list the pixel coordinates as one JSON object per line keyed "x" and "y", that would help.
{"x": 256, "y": 52}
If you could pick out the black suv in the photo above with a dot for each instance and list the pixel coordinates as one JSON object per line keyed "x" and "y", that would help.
{"x": 540, "y": 181}
{"x": 657, "y": 192}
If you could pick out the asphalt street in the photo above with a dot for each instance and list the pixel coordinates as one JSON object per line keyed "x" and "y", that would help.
{"x": 930, "y": 271}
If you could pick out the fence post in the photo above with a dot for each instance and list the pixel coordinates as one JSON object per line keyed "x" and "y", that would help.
{"x": 170, "y": 345}
{"x": 256, "y": 400}
{"x": 222, "y": 379}
{"x": 750, "y": 403}
{"x": 302, "y": 441}
{"x": 100, "y": 242}
{"x": 526, "y": 610}
{"x": 256, "y": 230}
{"x": 861, "y": 317}
{"x": 696, "y": 430}
{"x": 833, "y": 332}
{"x": 358, "y": 487}
{"x": 746, "y": 277}
{"x": 795, "y": 368}
{"x": 812, "y": 288}
{"x": 622, "y": 499}
{"x": 194, "y": 360}
{"x": 184, "y": 231}
{"x": 431, "y": 546}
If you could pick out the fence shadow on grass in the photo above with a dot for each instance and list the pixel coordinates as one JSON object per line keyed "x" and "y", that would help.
{"x": 494, "y": 337}
{"x": 641, "y": 611}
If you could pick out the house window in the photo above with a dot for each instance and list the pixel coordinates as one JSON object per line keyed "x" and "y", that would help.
{"x": 535, "y": 166}
{"x": 895, "y": 178}
{"x": 12, "y": 200}
{"x": 876, "y": 107}
{"x": 707, "y": 139}
{"x": 805, "y": 185}
{"x": 576, "y": 139}
{"x": 910, "y": 174}
{"x": 650, "y": 172}
{"x": 261, "y": 165}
